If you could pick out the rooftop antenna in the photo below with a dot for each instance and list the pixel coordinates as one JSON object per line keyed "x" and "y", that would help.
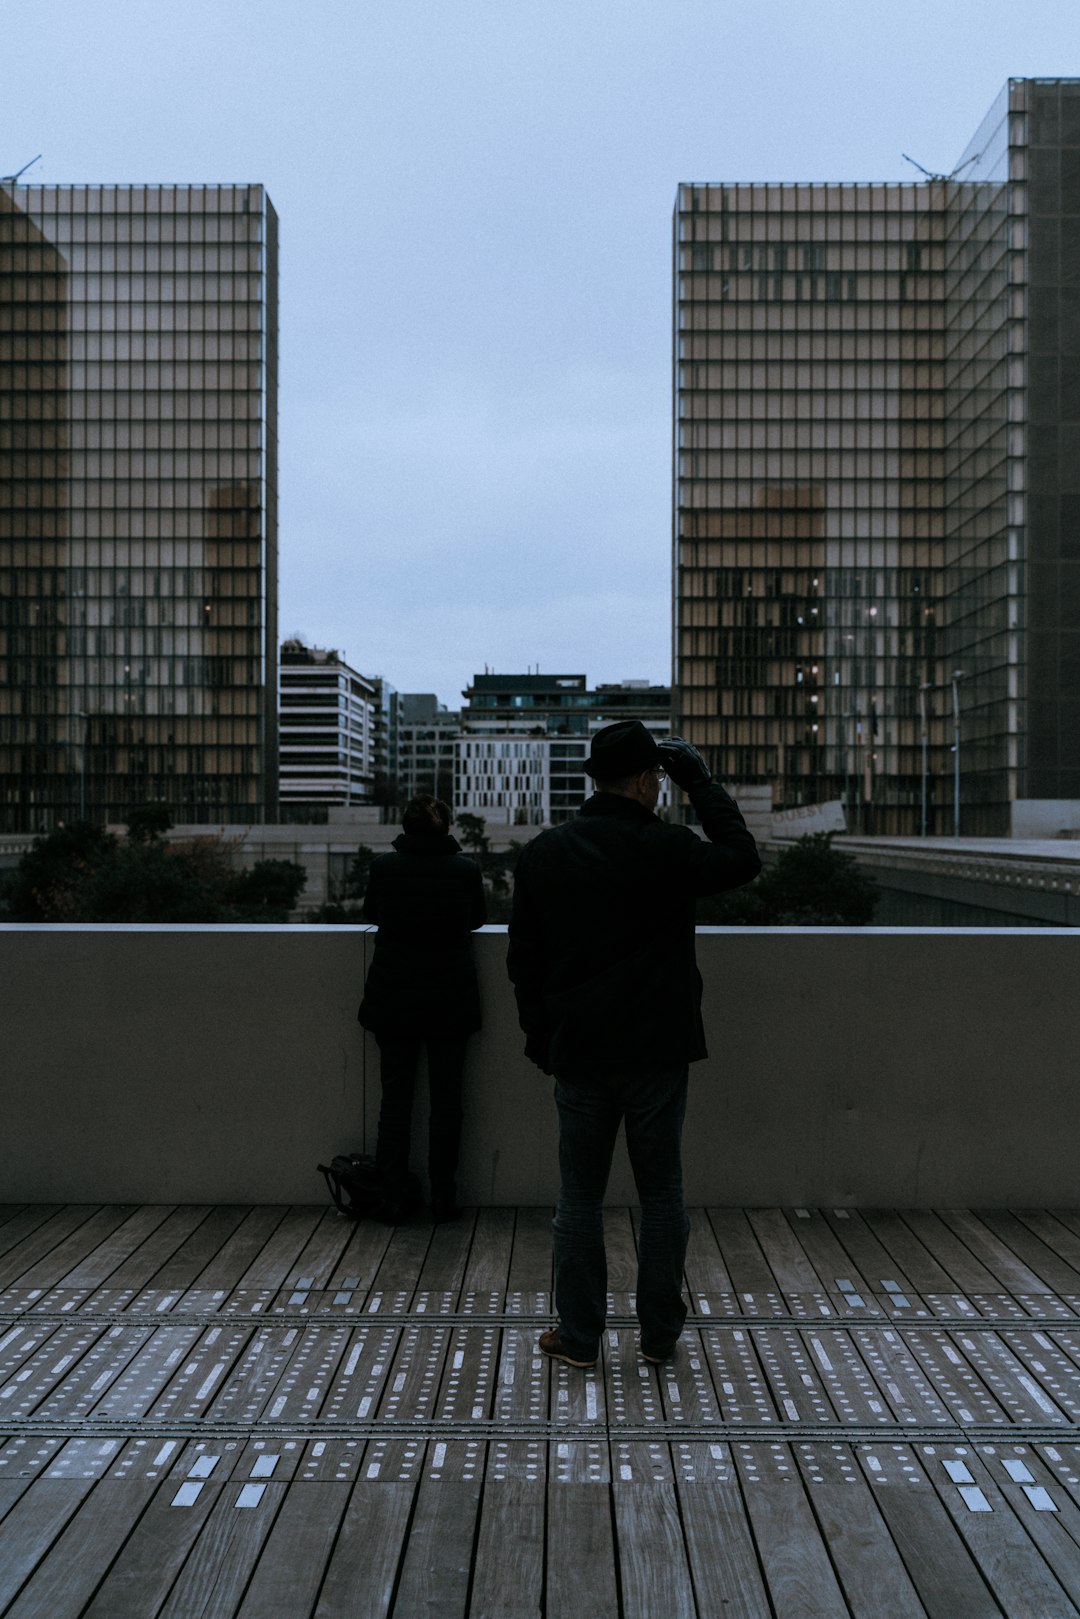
{"x": 951, "y": 176}
{"x": 10, "y": 179}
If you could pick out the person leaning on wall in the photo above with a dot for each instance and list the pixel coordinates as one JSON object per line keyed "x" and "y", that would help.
{"x": 426, "y": 898}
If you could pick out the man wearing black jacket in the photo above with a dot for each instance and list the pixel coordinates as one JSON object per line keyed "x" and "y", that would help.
{"x": 609, "y": 997}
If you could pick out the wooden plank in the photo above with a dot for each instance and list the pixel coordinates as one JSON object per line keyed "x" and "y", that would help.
{"x": 1012, "y": 1275}
{"x": 1009, "y": 1563}
{"x": 469, "y": 1370}
{"x": 654, "y": 1575}
{"x": 720, "y": 1548}
{"x": 793, "y": 1377}
{"x": 966, "y": 1274}
{"x": 180, "y": 1268}
{"x": 66, "y": 1580}
{"x": 706, "y": 1273}
{"x": 908, "y": 1256}
{"x": 276, "y": 1259}
{"x": 785, "y": 1254}
{"x": 898, "y": 1375}
{"x": 434, "y": 1580}
{"x": 830, "y": 1259}
{"x": 1056, "y": 1534}
{"x": 321, "y": 1252}
{"x": 741, "y": 1252}
{"x": 218, "y": 1568}
{"x": 620, "y": 1246}
{"x": 362, "y": 1255}
{"x": 580, "y": 1553}
{"x": 36, "y": 1520}
{"x": 40, "y": 1259}
{"x": 798, "y": 1574}
{"x": 509, "y": 1585}
{"x": 144, "y": 1259}
{"x": 529, "y": 1280}
{"x": 1055, "y": 1272}
{"x": 143, "y": 1575}
{"x": 742, "y": 1389}
{"x": 239, "y": 1249}
{"x": 941, "y": 1566}
{"x": 367, "y": 1553}
{"x": 869, "y": 1566}
{"x": 115, "y": 1247}
{"x": 867, "y": 1253}
{"x": 22, "y": 1222}
{"x": 296, "y": 1553}
{"x": 403, "y": 1260}
{"x": 439, "y": 1282}
{"x": 1048, "y": 1226}
{"x": 489, "y": 1259}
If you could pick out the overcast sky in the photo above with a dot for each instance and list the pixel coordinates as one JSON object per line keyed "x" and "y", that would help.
{"x": 475, "y": 201}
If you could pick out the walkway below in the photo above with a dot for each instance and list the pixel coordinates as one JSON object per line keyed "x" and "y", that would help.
{"x": 272, "y": 1412}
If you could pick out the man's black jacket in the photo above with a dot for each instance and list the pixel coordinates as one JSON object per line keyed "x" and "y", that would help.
{"x": 602, "y": 933}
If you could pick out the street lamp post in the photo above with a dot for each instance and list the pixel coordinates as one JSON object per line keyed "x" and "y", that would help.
{"x": 85, "y": 718}
{"x": 923, "y": 736}
{"x": 957, "y": 677}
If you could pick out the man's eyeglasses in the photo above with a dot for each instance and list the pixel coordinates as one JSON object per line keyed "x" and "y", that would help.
{"x": 661, "y": 774}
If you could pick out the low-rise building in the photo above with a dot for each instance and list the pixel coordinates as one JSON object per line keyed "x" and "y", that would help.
{"x": 331, "y": 726}
{"x": 427, "y": 734}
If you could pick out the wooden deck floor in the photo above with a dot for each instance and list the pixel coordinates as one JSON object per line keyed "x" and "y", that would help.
{"x": 272, "y": 1412}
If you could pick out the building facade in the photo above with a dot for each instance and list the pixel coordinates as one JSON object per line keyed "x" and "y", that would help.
{"x": 427, "y": 734}
{"x": 877, "y": 481}
{"x": 522, "y": 780}
{"x": 329, "y": 728}
{"x": 138, "y": 503}
{"x": 560, "y": 705}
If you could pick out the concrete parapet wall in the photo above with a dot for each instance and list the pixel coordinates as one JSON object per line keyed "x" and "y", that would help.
{"x": 848, "y": 1067}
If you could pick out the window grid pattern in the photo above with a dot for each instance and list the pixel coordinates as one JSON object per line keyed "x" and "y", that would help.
{"x": 138, "y": 550}
{"x": 877, "y": 480}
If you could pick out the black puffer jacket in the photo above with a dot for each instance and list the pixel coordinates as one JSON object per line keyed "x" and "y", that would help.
{"x": 426, "y": 898}
{"x": 602, "y": 933}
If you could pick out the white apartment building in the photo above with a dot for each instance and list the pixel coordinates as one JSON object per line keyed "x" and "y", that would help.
{"x": 520, "y": 780}
{"x": 329, "y": 728}
{"x": 525, "y": 780}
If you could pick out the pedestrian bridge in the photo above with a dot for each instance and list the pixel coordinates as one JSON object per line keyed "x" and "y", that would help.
{"x": 220, "y": 1398}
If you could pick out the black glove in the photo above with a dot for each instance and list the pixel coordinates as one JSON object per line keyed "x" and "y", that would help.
{"x": 684, "y": 764}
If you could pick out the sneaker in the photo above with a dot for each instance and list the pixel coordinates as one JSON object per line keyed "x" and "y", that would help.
{"x": 656, "y": 1357}
{"x": 552, "y": 1345}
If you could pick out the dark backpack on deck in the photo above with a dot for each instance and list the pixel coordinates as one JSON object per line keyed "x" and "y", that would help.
{"x": 362, "y": 1190}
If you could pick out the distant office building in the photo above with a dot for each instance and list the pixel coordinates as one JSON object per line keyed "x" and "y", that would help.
{"x": 138, "y": 503}
{"x": 560, "y": 705}
{"x": 427, "y": 732}
{"x": 387, "y": 742}
{"x": 877, "y": 493}
{"x": 525, "y": 738}
{"x": 521, "y": 780}
{"x": 329, "y": 720}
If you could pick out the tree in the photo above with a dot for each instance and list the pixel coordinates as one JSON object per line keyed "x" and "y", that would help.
{"x": 148, "y": 822}
{"x": 53, "y": 880}
{"x": 810, "y": 884}
{"x": 268, "y": 891}
{"x": 80, "y": 873}
{"x": 472, "y": 833}
{"x": 356, "y": 878}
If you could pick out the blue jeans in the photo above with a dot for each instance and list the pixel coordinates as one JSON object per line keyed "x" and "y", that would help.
{"x": 590, "y": 1112}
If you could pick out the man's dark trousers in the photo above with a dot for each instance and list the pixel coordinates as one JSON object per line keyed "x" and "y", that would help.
{"x": 653, "y": 1106}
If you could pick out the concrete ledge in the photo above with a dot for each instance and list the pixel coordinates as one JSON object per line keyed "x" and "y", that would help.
{"x": 848, "y": 1067}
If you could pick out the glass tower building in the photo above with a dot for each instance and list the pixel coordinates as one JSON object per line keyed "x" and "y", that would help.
{"x": 877, "y": 482}
{"x": 138, "y": 503}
